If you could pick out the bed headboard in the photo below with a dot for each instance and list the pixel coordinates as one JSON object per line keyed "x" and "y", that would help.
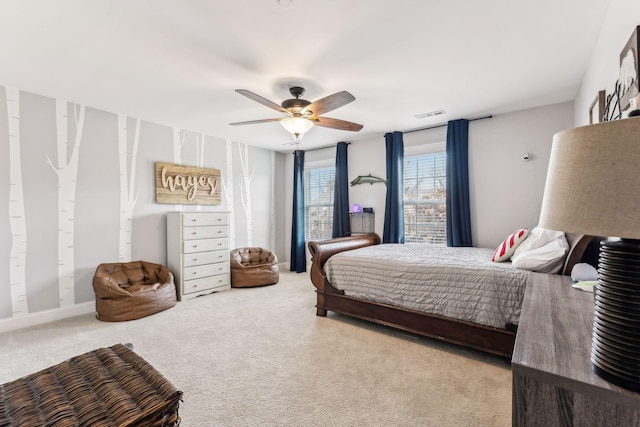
{"x": 578, "y": 244}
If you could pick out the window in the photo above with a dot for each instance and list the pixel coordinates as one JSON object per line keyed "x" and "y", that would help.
{"x": 318, "y": 202}
{"x": 425, "y": 198}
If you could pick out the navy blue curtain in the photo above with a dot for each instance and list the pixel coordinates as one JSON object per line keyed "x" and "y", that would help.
{"x": 394, "y": 205}
{"x": 341, "y": 224}
{"x": 458, "y": 209}
{"x": 298, "y": 255}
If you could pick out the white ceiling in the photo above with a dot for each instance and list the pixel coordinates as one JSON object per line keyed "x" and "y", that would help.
{"x": 177, "y": 62}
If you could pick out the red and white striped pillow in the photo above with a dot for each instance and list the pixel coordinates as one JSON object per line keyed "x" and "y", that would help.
{"x": 507, "y": 248}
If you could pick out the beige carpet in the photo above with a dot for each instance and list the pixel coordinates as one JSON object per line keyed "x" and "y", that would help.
{"x": 261, "y": 357}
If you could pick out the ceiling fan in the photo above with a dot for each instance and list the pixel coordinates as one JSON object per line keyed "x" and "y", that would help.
{"x": 301, "y": 114}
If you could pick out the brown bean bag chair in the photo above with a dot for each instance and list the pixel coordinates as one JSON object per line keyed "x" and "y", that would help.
{"x": 253, "y": 267}
{"x": 131, "y": 290}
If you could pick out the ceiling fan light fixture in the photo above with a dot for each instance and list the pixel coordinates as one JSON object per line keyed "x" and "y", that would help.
{"x": 285, "y": 4}
{"x": 296, "y": 126}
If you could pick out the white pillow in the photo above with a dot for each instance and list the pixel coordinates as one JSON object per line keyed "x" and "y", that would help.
{"x": 538, "y": 237}
{"x": 541, "y": 254}
{"x": 583, "y": 272}
{"x": 506, "y": 249}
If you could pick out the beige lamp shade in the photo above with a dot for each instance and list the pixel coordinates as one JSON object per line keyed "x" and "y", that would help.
{"x": 593, "y": 181}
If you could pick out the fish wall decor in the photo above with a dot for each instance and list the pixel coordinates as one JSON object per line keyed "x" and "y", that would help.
{"x": 367, "y": 179}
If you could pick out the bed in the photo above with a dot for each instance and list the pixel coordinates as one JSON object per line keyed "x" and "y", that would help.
{"x": 479, "y": 324}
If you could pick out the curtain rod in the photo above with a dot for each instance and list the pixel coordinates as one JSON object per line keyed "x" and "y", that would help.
{"x": 409, "y": 131}
{"x": 444, "y": 124}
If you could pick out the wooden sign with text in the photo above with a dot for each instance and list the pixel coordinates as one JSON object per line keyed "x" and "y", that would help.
{"x": 187, "y": 185}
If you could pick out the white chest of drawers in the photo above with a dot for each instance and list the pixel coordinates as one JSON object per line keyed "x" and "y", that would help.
{"x": 198, "y": 252}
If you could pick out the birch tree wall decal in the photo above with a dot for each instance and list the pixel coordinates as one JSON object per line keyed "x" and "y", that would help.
{"x": 67, "y": 171}
{"x": 200, "y": 157}
{"x": 17, "y": 220}
{"x": 127, "y": 185}
{"x": 245, "y": 188}
{"x": 227, "y": 186}
{"x": 272, "y": 235}
{"x": 200, "y": 151}
{"x": 178, "y": 142}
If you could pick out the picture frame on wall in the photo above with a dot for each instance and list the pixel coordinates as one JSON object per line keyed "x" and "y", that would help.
{"x": 597, "y": 108}
{"x": 628, "y": 74}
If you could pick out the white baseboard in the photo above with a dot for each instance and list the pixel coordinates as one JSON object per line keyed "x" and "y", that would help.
{"x": 46, "y": 316}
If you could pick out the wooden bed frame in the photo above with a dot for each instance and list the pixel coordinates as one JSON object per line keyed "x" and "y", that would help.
{"x": 485, "y": 338}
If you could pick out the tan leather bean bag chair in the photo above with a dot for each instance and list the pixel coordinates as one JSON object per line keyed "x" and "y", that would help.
{"x": 253, "y": 267}
{"x": 131, "y": 290}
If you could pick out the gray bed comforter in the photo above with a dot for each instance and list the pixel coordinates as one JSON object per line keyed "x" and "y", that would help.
{"x": 458, "y": 283}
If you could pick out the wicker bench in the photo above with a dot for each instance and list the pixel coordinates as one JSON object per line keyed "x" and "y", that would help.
{"x": 106, "y": 387}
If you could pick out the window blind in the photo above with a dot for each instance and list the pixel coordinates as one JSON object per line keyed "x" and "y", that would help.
{"x": 424, "y": 198}
{"x": 318, "y": 202}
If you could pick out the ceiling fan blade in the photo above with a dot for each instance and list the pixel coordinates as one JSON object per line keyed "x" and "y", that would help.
{"x": 337, "y": 124}
{"x": 263, "y": 101}
{"x": 253, "y": 122}
{"x": 329, "y": 103}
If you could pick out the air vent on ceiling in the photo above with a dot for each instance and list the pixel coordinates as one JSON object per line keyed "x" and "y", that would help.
{"x": 429, "y": 114}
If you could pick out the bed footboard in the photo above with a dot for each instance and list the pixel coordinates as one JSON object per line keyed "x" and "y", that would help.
{"x": 320, "y": 253}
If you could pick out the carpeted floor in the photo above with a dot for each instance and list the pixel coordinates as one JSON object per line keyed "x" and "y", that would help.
{"x": 261, "y": 357}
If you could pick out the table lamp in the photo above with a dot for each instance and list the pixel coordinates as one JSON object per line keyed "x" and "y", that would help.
{"x": 593, "y": 188}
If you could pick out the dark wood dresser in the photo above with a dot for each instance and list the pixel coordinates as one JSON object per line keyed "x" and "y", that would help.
{"x": 553, "y": 384}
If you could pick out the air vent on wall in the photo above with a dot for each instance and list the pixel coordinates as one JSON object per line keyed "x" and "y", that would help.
{"x": 429, "y": 114}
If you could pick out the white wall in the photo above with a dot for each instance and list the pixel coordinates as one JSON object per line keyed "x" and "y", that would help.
{"x": 602, "y": 72}
{"x": 506, "y": 192}
{"x": 96, "y": 193}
